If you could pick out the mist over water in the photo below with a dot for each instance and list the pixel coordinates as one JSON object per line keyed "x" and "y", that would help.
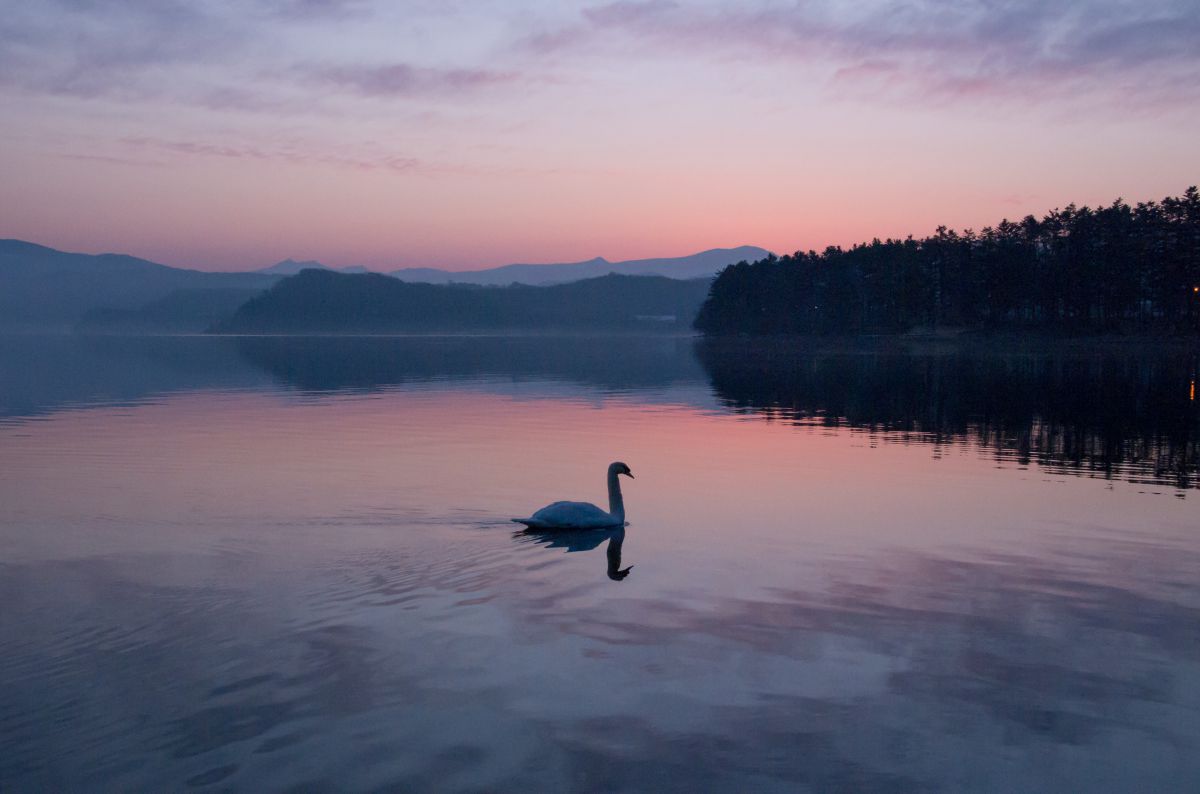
{"x": 275, "y": 563}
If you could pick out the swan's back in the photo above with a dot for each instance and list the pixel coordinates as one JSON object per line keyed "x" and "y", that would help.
{"x": 569, "y": 515}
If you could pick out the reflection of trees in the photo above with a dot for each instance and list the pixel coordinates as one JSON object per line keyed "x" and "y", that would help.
{"x": 332, "y": 363}
{"x": 1114, "y": 413}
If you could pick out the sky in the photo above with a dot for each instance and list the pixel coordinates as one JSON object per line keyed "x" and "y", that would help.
{"x": 228, "y": 135}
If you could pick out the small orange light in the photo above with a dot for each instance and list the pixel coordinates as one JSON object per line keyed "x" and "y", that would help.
{"x": 1195, "y": 289}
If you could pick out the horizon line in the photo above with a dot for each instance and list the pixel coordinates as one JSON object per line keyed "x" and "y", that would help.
{"x": 384, "y": 270}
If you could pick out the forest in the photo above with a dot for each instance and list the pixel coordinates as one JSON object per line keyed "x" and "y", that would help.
{"x": 322, "y": 301}
{"x": 1118, "y": 269}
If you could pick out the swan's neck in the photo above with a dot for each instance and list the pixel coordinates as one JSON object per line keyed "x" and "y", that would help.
{"x": 616, "y": 506}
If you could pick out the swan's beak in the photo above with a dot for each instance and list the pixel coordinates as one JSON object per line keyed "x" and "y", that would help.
{"x": 629, "y": 474}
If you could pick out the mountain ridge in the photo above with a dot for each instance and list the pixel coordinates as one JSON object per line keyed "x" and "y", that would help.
{"x": 701, "y": 264}
{"x": 290, "y": 267}
{"x": 43, "y": 287}
{"x": 324, "y": 301}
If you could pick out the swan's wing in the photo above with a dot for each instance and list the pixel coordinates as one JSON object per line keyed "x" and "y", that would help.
{"x": 534, "y": 523}
{"x": 568, "y": 515}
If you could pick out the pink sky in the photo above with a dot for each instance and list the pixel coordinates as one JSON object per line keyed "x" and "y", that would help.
{"x": 224, "y": 135}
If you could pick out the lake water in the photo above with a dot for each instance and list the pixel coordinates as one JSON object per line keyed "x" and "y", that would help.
{"x": 286, "y": 564}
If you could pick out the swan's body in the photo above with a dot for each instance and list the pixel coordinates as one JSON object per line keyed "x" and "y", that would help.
{"x": 584, "y": 515}
{"x": 571, "y": 515}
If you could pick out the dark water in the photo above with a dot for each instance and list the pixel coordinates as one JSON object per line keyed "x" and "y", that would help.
{"x": 280, "y": 564}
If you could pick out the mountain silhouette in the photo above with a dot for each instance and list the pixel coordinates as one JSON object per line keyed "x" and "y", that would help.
{"x": 705, "y": 264}
{"x": 42, "y": 287}
{"x": 321, "y": 301}
{"x": 701, "y": 265}
{"x": 290, "y": 267}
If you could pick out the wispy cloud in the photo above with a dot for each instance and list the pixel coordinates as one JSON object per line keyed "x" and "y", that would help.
{"x": 110, "y": 48}
{"x": 220, "y": 54}
{"x": 266, "y": 53}
{"x": 939, "y": 49}
{"x": 402, "y": 79}
{"x": 295, "y": 155}
{"x": 319, "y": 9}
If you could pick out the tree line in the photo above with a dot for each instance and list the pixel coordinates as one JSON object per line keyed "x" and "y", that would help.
{"x": 1114, "y": 269}
{"x": 321, "y": 301}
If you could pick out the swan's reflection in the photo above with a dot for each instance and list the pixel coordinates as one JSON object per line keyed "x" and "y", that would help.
{"x": 583, "y": 540}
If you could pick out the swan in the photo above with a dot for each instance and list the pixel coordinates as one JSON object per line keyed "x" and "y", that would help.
{"x": 584, "y": 515}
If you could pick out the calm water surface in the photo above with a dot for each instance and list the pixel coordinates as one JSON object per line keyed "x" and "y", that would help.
{"x": 281, "y": 564}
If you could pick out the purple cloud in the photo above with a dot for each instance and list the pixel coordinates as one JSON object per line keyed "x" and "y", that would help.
{"x": 109, "y": 48}
{"x": 402, "y": 79}
{"x": 942, "y": 49}
{"x": 320, "y": 9}
{"x": 293, "y": 155}
{"x": 259, "y": 54}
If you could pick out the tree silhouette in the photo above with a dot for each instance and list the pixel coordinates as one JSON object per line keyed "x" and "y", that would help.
{"x": 1114, "y": 269}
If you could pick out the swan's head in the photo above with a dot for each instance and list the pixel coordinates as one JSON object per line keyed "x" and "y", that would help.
{"x": 619, "y": 574}
{"x": 620, "y": 468}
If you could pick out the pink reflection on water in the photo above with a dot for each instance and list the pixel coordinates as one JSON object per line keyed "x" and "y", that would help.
{"x": 708, "y": 483}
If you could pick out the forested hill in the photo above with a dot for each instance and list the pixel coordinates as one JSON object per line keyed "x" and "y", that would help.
{"x": 1120, "y": 268}
{"x": 318, "y": 301}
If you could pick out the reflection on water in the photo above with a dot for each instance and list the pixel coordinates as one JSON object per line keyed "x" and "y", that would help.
{"x": 1108, "y": 412}
{"x": 584, "y": 540}
{"x": 39, "y": 374}
{"x": 287, "y": 565}
{"x": 1101, "y": 410}
{"x": 607, "y": 362}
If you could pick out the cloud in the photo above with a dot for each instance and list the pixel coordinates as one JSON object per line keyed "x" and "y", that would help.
{"x": 402, "y": 79}
{"x": 263, "y": 54}
{"x": 314, "y": 57}
{"x": 319, "y": 9}
{"x": 295, "y": 155}
{"x": 938, "y": 49}
{"x": 108, "y": 48}
{"x": 627, "y": 12}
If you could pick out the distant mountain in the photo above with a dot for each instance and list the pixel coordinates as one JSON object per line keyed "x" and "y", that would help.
{"x": 180, "y": 311}
{"x": 290, "y": 267}
{"x": 320, "y": 301}
{"x": 702, "y": 265}
{"x": 705, "y": 264}
{"x": 41, "y": 287}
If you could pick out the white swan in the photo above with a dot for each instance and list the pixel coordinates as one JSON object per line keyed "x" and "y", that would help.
{"x": 584, "y": 515}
